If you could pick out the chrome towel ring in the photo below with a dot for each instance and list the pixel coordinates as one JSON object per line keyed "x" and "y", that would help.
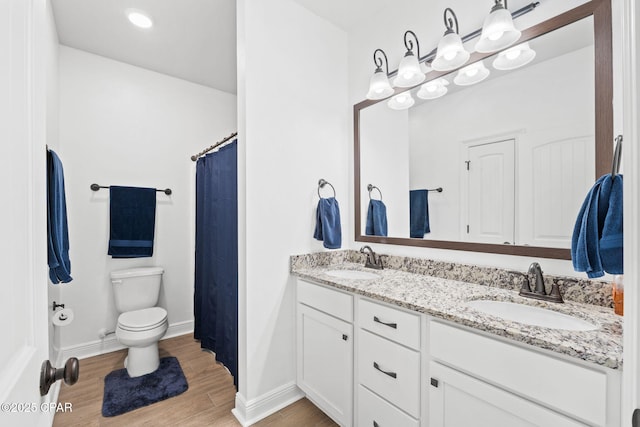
{"x": 322, "y": 183}
{"x": 371, "y": 187}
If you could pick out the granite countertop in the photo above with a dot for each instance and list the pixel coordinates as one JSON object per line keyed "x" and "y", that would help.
{"x": 446, "y": 299}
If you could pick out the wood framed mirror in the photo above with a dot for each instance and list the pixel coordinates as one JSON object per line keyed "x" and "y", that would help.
{"x": 368, "y": 126}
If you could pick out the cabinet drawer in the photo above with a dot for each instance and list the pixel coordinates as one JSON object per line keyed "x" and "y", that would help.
{"x": 397, "y": 325}
{"x": 374, "y": 411}
{"x": 569, "y": 388}
{"x": 332, "y": 302}
{"x": 390, "y": 370}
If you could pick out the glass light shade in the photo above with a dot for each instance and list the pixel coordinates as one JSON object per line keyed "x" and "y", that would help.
{"x": 401, "y": 101}
{"x": 433, "y": 89}
{"x": 514, "y": 57}
{"x": 409, "y": 72}
{"x": 379, "y": 86}
{"x": 498, "y": 31}
{"x": 471, "y": 74}
{"x": 450, "y": 54}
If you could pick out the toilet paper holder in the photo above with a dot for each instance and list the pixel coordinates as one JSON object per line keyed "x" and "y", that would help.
{"x": 56, "y": 305}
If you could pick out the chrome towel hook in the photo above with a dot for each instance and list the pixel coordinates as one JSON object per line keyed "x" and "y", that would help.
{"x": 617, "y": 157}
{"x": 321, "y": 183}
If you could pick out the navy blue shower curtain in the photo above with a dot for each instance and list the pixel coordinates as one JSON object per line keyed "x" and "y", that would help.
{"x": 216, "y": 267}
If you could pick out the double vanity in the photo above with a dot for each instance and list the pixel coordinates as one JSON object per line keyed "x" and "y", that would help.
{"x": 414, "y": 345}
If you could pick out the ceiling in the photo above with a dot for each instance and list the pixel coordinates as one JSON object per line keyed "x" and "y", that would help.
{"x": 194, "y": 40}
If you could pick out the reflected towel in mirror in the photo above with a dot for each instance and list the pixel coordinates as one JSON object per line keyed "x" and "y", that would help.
{"x": 419, "y": 213}
{"x": 376, "y": 219}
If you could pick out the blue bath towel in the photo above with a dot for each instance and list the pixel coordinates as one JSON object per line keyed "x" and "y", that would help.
{"x": 376, "y": 219}
{"x": 57, "y": 227}
{"x": 133, "y": 217}
{"x": 419, "y": 213}
{"x": 597, "y": 243}
{"x": 328, "y": 227}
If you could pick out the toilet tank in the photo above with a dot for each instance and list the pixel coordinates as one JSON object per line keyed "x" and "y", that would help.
{"x": 136, "y": 288}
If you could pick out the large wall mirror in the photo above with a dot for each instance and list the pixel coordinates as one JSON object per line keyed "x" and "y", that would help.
{"x": 513, "y": 155}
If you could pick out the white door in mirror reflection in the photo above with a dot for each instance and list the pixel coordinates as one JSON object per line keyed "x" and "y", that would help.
{"x": 556, "y": 172}
{"x": 490, "y": 193}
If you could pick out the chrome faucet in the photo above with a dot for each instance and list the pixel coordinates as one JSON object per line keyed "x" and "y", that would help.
{"x": 373, "y": 261}
{"x": 539, "y": 291}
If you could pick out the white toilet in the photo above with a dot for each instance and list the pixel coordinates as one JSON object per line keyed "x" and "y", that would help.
{"x": 141, "y": 324}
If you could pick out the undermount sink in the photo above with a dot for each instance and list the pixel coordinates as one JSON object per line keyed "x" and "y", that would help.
{"x": 352, "y": 274}
{"x": 530, "y": 315}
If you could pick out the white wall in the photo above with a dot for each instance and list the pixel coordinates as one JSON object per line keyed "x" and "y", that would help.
{"x": 293, "y": 115}
{"x": 123, "y": 125}
{"x": 385, "y": 30}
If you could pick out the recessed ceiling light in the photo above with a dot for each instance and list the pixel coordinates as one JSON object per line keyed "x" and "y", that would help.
{"x": 139, "y": 19}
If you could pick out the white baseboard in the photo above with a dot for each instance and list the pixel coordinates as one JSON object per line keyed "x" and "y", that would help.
{"x": 252, "y": 411}
{"x": 110, "y": 344}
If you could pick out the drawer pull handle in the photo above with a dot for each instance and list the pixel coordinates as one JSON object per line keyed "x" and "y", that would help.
{"x": 391, "y": 374}
{"x": 391, "y": 325}
{"x": 375, "y": 424}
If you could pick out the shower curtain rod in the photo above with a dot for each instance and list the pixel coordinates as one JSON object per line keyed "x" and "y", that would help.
{"x": 217, "y": 144}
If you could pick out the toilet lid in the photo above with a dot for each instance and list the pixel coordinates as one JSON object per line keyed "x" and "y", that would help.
{"x": 139, "y": 320}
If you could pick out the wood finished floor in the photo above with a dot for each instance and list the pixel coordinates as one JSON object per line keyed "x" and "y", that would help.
{"x": 207, "y": 402}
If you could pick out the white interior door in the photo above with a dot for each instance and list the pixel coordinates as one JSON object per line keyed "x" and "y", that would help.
{"x": 490, "y": 193}
{"x": 556, "y": 171}
{"x": 23, "y": 259}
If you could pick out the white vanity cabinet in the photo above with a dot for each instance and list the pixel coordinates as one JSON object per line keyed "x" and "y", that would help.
{"x": 479, "y": 380}
{"x": 372, "y": 364}
{"x": 388, "y": 366}
{"x": 325, "y": 349}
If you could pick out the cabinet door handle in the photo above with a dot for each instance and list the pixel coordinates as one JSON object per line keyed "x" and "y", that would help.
{"x": 391, "y": 325}
{"x": 375, "y": 424}
{"x": 391, "y": 374}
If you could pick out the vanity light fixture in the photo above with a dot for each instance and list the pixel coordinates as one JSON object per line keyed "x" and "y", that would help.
{"x": 139, "y": 18}
{"x": 379, "y": 86}
{"x": 433, "y": 89}
{"x": 409, "y": 72}
{"x": 471, "y": 74}
{"x": 401, "y": 101}
{"x": 498, "y": 30}
{"x": 450, "y": 53}
{"x": 514, "y": 57}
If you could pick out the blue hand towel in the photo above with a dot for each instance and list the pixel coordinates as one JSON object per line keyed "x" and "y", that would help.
{"x": 57, "y": 227}
{"x": 419, "y": 213}
{"x": 328, "y": 227}
{"x": 376, "y": 219}
{"x": 597, "y": 243}
{"x": 133, "y": 216}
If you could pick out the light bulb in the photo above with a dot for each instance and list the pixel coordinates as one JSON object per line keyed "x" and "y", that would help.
{"x": 449, "y": 55}
{"x": 472, "y": 71}
{"x": 495, "y": 36}
{"x": 512, "y": 53}
{"x": 139, "y": 19}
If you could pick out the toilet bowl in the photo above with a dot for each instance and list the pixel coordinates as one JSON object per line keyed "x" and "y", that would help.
{"x": 140, "y": 330}
{"x": 141, "y": 324}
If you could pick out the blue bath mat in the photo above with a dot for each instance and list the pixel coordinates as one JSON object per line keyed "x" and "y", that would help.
{"x": 123, "y": 393}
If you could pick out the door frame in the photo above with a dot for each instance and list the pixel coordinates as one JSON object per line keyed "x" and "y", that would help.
{"x": 629, "y": 14}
